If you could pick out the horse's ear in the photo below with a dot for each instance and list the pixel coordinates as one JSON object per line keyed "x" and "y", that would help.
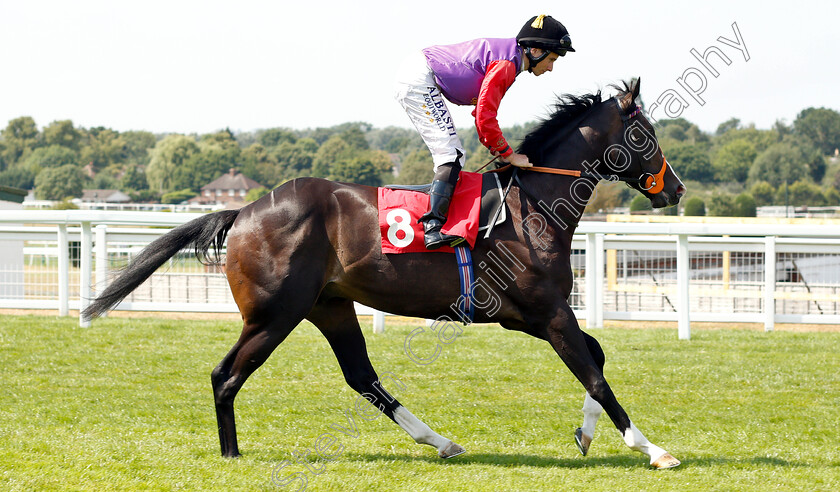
{"x": 630, "y": 94}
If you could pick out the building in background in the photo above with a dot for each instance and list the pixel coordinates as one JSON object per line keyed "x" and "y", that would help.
{"x": 104, "y": 196}
{"x": 11, "y": 251}
{"x": 228, "y": 190}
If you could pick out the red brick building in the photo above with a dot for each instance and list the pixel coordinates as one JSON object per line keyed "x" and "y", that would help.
{"x": 229, "y": 189}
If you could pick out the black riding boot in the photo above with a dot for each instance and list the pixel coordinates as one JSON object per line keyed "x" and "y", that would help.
{"x": 440, "y": 196}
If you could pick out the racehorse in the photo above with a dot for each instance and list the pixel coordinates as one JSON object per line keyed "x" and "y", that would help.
{"x": 311, "y": 247}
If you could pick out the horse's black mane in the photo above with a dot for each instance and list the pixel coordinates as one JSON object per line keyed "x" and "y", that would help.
{"x": 568, "y": 108}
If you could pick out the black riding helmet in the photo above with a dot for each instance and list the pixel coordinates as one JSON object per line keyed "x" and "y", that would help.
{"x": 542, "y": 31}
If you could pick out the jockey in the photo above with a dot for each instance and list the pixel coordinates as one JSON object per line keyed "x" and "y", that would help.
{"x": 477, "y": 73}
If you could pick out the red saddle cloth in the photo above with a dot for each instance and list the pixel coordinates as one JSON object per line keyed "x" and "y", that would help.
{"x": 400, "y": 209}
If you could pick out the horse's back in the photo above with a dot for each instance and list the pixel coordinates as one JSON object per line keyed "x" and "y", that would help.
{"x": 311, "y": 224}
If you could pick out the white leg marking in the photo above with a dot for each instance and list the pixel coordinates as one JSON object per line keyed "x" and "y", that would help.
{"x": 591, "y": 412}
{"x": 420, "y": 432}
{"x": 638, "y": 442}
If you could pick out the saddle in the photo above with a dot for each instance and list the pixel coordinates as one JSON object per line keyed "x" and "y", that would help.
{"x": 492, "y": 195}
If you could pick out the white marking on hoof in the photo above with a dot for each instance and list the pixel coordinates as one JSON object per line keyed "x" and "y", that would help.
{"x": 583, "y": 441}
{"x": 665, "y": 461}
{"x": 451, "y": 450}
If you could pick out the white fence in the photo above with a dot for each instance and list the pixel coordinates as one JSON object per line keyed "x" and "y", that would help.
{"x": 623, "y": 271}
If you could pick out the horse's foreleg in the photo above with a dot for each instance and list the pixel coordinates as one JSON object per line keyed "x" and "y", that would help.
{"x": 568, "y": 341}
{"x": 591, "y": 408}
{"x": 337, "y": 320}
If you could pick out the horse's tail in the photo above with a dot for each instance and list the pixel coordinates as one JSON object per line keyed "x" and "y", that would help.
{"x": 202, "y": 233}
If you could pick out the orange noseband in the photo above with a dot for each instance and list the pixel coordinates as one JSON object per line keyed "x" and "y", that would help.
{"x": 656, "y": 182}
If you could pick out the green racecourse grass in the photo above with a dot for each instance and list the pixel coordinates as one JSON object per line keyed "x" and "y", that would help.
{"x": 127, "y": 405}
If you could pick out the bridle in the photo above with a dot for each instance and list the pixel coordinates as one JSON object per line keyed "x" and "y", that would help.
{"x": 649, "y": 182}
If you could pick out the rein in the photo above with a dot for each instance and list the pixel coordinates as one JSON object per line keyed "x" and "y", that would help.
{"x": 652, "y": 183}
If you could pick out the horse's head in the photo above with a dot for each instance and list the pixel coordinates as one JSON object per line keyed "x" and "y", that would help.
{"x": 587, "y": 137}
{"x": 634, "y": 153}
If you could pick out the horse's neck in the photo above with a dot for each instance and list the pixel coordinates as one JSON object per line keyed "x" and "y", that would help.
{"x": 568, "y": 196}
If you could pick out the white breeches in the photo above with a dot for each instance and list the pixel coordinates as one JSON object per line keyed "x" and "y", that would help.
{"x": 418, "y": 93}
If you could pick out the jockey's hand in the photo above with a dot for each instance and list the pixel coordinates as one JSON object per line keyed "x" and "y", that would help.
{"x": 518, "y": 160}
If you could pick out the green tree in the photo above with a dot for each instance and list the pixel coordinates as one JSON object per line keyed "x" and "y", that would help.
{"x": 255, "y": 194}
{"x": 218, "y": 153}
{"x": 18, "y": 177}
{"x": 763, "y": 193}
{"x": 58, "y": 183}
{"x": 168, "y": 155}
{"x": 62, "y": 133}
{"x": 64, "y": 204}
{"x": 831, "y": 197}
{"x": 201, "y": 168}
{"x": 730, "y": 124}
{"x": 607, "y": 196}
{"x": 361, "y": 170}
{"x": 782, "y": 128}
{"x": 691, "y": 162}
{"x": 733, "y": 161}
{"x": 20, "y": 137}
{"x": 640, "y": 203}
{"x": 52, "y": 156}
{"x": 355, "y": 138}
{"x": 134, "y": 178}
{"x": 745, "y": 205}
{"x": 176, "y": 197}
{"x": 417, "y": 168}
{"x": 104, "y": 181}
{"x": 805, "y": 193}
{"x": 295, "y": 159}
{"x": 780, "y": 163}
{"x": 722, "y": 205}
{"x": 821, "y": 126}
{"x": 138, "y": 144}
{"x": 329, "y": 154}
{"x": 761, "y": 139}
{"x": 694, "y": 207}
{"x": 102, "y": 147}
{"x": 260, "y": 165}
{"x": 276, "y": 136}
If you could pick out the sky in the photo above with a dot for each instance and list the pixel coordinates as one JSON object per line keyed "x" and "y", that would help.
{"x": 199, "y": 66}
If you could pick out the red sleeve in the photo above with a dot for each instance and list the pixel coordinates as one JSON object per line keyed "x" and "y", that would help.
{"x": 499, "y": 77}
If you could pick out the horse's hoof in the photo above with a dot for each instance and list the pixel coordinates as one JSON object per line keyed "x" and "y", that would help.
{"x": 665, "y": 461}
{"x": 451, "y": 450}
{"x": 583, "y": 441}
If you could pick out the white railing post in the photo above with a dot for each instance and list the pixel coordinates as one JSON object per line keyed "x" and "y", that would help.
{"x": 598, "y": 320}
{"x": 378, "y": 322}
{"x": 86, "y": 261}
{"x": 591, "y": 293}
{"x": 683, "y": 279}
{"x": 769, "y": 283}
{"x": 101, "y": 259}
{"x": 63, "y": 271}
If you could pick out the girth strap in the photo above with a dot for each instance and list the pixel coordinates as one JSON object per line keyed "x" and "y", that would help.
{"x": 466, "y": 304}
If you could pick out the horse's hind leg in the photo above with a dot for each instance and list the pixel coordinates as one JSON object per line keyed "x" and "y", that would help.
{"x": 336, "y": 318}
{"x": 255, "y": 344}
{"x": 591, "y": 408}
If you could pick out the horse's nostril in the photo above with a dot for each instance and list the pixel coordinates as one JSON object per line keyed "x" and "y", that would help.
{"x": 680, "y": 190}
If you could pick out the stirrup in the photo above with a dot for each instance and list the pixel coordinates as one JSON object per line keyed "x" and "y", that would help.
{"x": 433, "y": 238}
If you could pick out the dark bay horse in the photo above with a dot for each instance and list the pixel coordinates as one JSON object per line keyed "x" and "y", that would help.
{"x": 311, "y": 247}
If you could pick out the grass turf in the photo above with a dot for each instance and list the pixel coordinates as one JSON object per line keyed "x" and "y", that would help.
{"x": 127, "y": 405}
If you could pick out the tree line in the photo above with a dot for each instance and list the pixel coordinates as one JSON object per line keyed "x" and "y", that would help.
{"x": 794, "y": 164}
